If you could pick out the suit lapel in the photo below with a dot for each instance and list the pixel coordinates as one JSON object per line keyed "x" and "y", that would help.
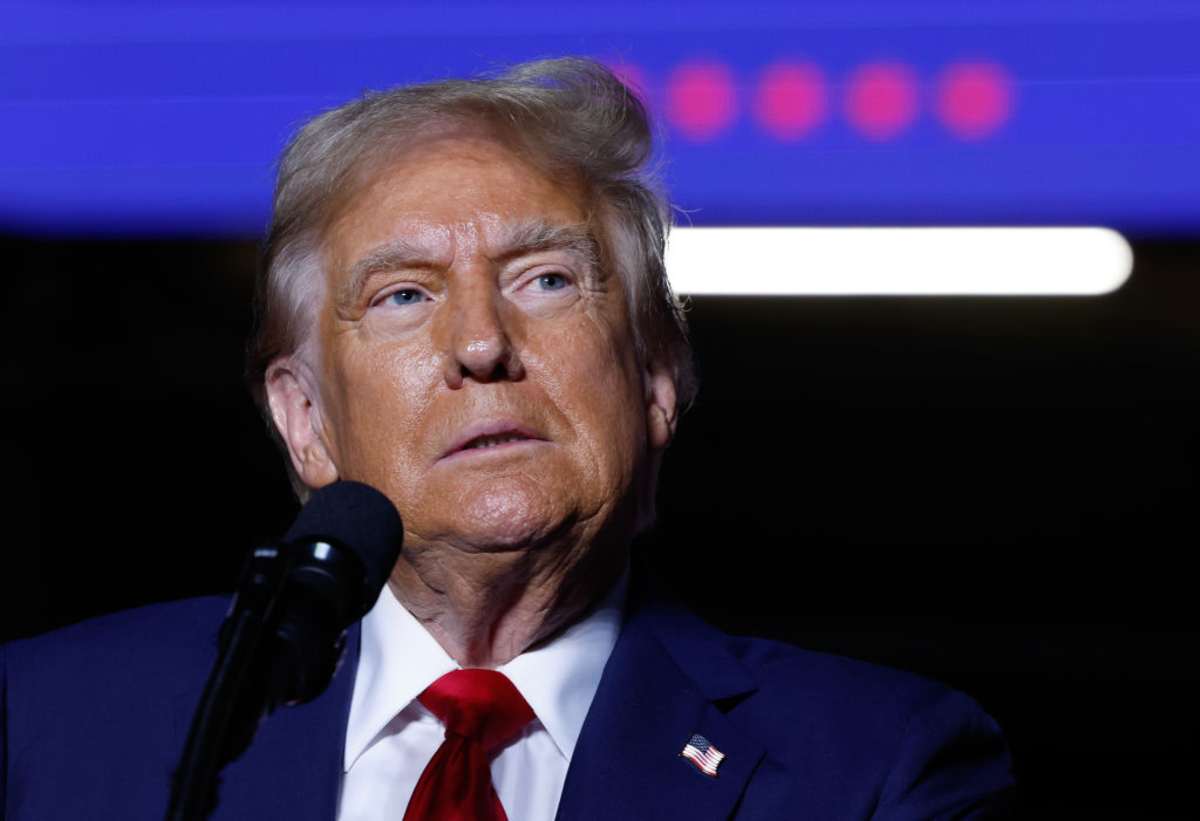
{"x": 662, "y": 684}
{"x": 293, "y": 769}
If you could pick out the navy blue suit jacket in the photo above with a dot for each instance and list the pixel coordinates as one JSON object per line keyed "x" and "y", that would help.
{"x": 95, "y": 717}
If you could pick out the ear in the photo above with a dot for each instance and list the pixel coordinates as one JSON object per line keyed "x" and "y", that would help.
{"x": 660, "y": 406}
{"x": 295, "y": 409}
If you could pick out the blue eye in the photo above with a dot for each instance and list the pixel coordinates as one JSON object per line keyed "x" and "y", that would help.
{"x": 406, "y": 296}
{"x": 552, "y": 282}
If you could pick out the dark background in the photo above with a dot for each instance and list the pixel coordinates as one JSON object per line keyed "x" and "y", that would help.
{"x": 998, "y": 493}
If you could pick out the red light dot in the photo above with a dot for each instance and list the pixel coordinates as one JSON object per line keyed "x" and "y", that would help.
{"x": 974, "y": 99}
{"x": 791, "y": 100}
{"x": 701, "y": 100}
{"x": 881, "y": 99}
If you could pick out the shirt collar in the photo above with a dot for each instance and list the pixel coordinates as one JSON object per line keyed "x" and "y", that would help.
{"x": 399, "y": 659}
{"x": 559, "y": 679}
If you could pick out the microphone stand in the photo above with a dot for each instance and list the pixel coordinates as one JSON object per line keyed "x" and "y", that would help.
{"x": 233, "y": 702}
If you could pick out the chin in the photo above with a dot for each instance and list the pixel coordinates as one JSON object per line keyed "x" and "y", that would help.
{"x": 509, "y": 515}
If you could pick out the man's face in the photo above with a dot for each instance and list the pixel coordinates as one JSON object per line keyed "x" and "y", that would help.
{"x": 476, "y": 364}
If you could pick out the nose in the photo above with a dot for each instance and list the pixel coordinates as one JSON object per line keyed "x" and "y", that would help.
{"x": 478, "y": 339}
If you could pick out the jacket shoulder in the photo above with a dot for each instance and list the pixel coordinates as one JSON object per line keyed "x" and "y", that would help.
{"x": 85, "y": 681}
{"x": 921, "y": 748}
{"x": 835, "y": 728}
{"x": 787, "y": 673}
{"x": 102, "y": 706}
{"x": 141, "y": 640}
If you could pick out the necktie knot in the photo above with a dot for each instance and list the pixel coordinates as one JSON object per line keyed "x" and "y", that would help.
{"x": 480, "y": 705}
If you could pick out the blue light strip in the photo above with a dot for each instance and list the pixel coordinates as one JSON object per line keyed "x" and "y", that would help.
{"x": 148, "y": 118}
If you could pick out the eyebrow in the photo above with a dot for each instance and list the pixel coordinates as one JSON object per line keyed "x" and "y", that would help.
{"x": 535, "y": 235}
{"x": 520, "y": 238}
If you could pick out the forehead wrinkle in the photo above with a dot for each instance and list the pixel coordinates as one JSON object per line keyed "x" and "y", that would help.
{"x": 538, "y": 234}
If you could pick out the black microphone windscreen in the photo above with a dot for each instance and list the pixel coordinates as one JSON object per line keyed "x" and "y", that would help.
{"x": 357, "y": 517}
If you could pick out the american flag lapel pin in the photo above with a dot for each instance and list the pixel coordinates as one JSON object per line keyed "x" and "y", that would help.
{"x": 704, "y": 756}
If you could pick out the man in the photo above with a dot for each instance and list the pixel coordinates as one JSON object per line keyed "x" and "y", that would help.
{"x": 465, "y": 306}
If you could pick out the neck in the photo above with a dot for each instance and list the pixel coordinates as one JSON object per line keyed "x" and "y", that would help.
{"x": 486, "y": 608}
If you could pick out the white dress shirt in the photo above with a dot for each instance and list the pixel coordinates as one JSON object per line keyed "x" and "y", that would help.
{"x": 391, "y": 736}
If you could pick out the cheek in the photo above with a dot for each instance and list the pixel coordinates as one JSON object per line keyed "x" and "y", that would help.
{"x": 381, "y": 396}
{"x": 595, "y": 383}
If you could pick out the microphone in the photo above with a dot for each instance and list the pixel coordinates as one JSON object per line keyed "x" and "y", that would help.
{"x": 340, "y": 550}
{"x": 282, "y": 640}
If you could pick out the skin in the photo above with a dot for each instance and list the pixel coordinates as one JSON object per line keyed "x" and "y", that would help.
{"x": 438, "y": 316}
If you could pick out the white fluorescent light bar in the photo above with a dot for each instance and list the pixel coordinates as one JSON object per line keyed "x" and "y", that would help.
{"x": 897, "y": 261}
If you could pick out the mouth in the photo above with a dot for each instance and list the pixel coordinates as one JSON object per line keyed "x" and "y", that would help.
{"x": 493, "y": 441}
{"x": 491, "y": 438}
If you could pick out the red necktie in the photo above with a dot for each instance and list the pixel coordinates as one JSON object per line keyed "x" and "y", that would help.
{"x": 482, "y": 711}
